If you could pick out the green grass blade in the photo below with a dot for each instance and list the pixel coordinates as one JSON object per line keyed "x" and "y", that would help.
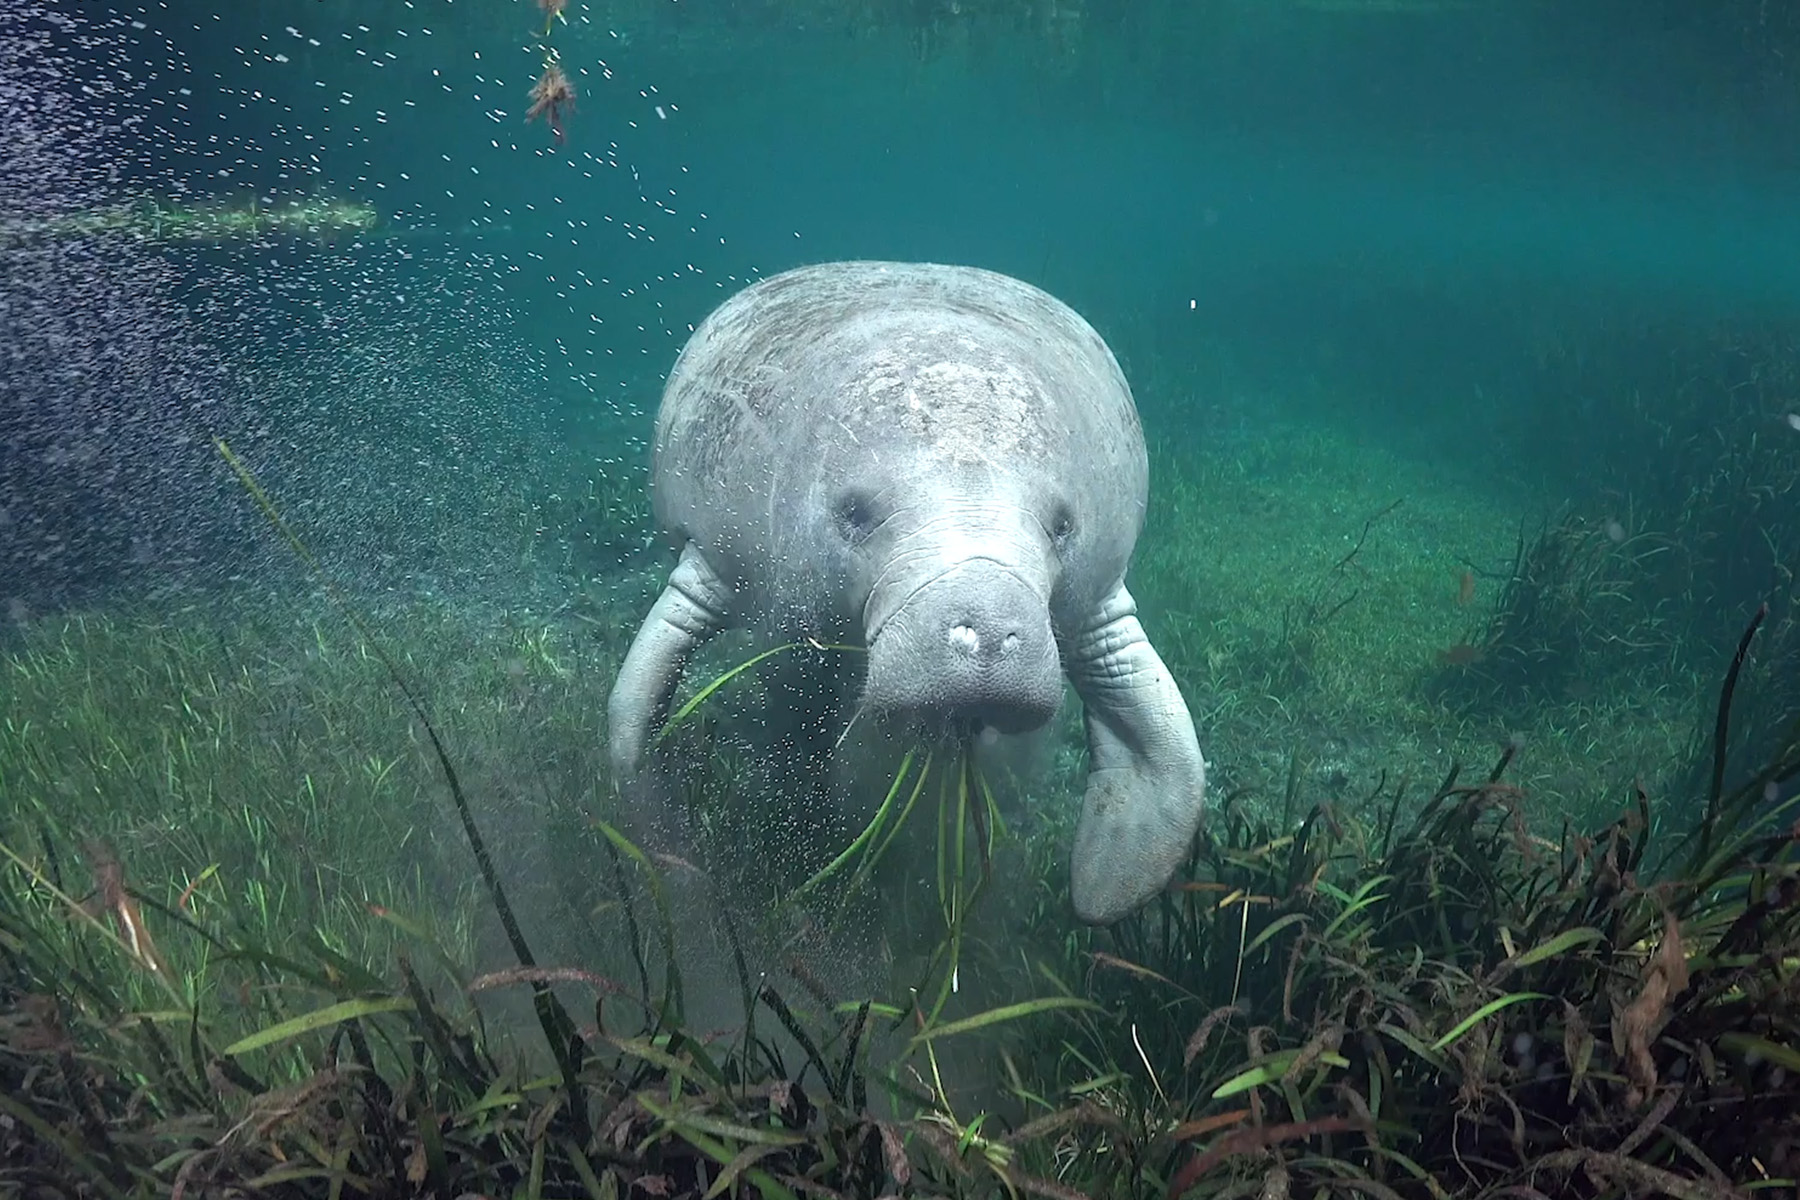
{"x": 704, "y": 694}
{"x": 1270, "y": 930}
{"x": 1754, "y": 1049}
{"x": 1006, "y": 1012}
{"x": 700, "y": 697}
{"x": 331, "y": 1014}
{"x": 1560, "y": 944}
{"x": 869, "y": 833}
{"x": 672, "y": 994}
{"x": 1406, "y": 1039}
{"x": 1362, "y": 901}
{"x": 1483, "y": 1013}
{"x": 686, "y": 1121}
{"x": 874, "y": 856}
{"x": 1272, "y": 1070}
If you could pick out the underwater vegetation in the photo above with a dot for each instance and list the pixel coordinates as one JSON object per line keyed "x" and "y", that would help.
{"x": 1689, "y": 526}
{"x": 160, "y": 221}
{"x": 552, "y": 95}
{"x": 1465, "y": 1007}
{"x": 1364, "y": 1004}
{"x": 1417, "y": 992}
{"x": 252, "y": 852}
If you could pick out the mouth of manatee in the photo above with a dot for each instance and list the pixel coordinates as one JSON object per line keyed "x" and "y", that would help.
{"x": 971, "y": 649}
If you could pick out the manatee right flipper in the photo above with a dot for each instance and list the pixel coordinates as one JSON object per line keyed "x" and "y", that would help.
{"x": 1146, "y": 778}
{"x": 694, "y": 605}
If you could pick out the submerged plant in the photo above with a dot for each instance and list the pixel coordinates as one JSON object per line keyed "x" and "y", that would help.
{"x": 1458, "y": 1005}
{"x": 163, "y": 222}
{"x": 346, "y": 1079}
{"x": 1566, "y": 619}
{"x": 1411, "y": 995}
{"x": 550, "y": 96}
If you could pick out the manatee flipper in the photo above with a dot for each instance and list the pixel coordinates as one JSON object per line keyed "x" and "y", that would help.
{"x": 1146, "y": 778}
{"x": 694, "y": 605}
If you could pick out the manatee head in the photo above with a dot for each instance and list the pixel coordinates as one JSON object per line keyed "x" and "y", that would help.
{"x": 962, "y": 522}
{"x": 956, "y": 583}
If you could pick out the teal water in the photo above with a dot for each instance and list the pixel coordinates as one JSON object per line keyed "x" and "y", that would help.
{"x": 1401, "y": 199}
{"x": 1505, "y": 261}
{"x": 1391, "y": 198}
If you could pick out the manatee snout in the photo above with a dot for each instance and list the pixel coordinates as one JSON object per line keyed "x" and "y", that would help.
{"x": 972, "y": 648}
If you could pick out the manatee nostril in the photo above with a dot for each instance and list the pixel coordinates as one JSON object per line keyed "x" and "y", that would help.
{"x": 964, "y": 638}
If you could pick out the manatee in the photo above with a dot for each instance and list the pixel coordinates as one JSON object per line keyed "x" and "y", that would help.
{"x": 943, "y": 465}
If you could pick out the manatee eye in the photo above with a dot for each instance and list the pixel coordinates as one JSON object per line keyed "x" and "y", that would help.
{"x": 854, "y": 516}
{"x": 1062, "y": 526}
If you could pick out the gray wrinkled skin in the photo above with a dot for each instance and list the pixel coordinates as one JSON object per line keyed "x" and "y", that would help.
{"x": 945, "y": 465}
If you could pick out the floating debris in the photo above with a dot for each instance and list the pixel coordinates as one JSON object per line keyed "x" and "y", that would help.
{"x": 156, "y": 220}
{"x": 550, "y": 95}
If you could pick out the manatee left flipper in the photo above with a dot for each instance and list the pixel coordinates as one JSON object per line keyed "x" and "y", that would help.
{"x": 1146, "y": 784}
{"x": 694, "y": 605}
